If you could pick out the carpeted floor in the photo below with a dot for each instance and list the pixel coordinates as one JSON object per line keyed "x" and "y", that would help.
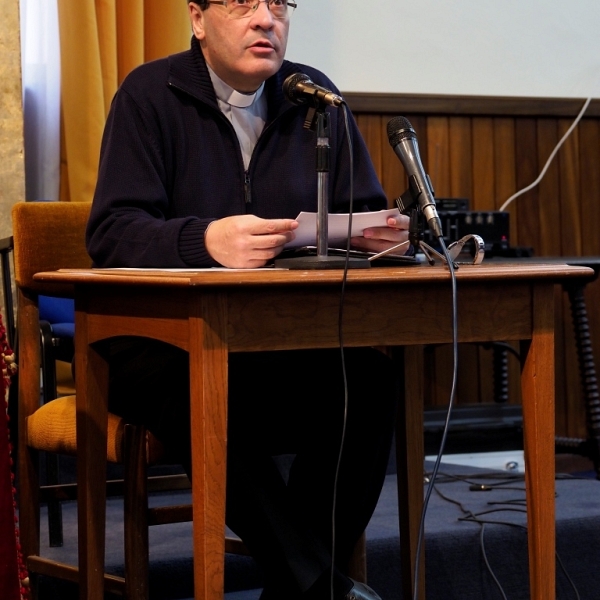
{"x": 456, "y": 550}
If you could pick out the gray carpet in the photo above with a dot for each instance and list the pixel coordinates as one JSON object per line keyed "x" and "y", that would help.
{"x": 456, "y": 553}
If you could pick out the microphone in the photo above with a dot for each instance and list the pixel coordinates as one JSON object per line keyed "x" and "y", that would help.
{"x": 403, "y": 140}
{"x": 299, "y": 89}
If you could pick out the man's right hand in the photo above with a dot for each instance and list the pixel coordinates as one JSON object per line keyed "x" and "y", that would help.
{"x": 247, "y": 241}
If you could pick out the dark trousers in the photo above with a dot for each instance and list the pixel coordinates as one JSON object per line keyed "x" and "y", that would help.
{"x": 292, "y": 402}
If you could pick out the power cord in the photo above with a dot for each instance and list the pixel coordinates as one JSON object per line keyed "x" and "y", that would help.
{"x": 550, "y": 158}
{"x": 472, "y": 517}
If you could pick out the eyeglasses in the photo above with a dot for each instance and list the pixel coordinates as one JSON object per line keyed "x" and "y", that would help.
{"x": 240, "y": 9}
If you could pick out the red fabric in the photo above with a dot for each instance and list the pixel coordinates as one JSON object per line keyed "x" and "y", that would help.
{"x": 11, "y": 570}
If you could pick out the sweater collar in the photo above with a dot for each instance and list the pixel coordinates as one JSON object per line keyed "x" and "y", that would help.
{"x": 188, "y": 72}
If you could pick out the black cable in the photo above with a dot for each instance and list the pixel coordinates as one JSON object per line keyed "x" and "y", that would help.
{"x": 475, "y": 518}
{"x": 341, "y": 345}
{"x": 448, "y": 415}
{"x": 504, "y": 345}
{"x": 487, "y": 562}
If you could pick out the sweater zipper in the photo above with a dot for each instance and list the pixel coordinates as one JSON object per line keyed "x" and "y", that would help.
{"x": 247, "y": 192}
{"x": 247, "y": 182}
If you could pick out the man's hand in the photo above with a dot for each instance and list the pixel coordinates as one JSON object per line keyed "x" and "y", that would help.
{"x": 378, "y": 239}
{"x": 246, "y": 241}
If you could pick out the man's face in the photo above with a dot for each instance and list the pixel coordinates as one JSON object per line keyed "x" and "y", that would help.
{"x": 242, "y": 52}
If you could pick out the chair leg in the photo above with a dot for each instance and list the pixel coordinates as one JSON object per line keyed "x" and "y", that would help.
{"x": 136, "y": 514}
{"x": 55, "y": 526}
{"x": 29, "y": 509}
{"x": 357, "y": 567}
{"x": 55, "y": 521}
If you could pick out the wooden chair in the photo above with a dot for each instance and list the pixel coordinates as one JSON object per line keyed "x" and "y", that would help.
{"x": 49, "y": 236}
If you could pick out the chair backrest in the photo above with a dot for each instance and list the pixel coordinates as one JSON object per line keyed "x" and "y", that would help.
{"x": 6, "y": 249}
{"x": 48, "y": 236}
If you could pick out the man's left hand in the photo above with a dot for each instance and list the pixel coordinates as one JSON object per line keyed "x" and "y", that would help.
{"x": 378, "y": 239}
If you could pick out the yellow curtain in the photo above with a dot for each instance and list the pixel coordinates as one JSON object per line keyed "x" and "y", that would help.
{"x": 100, "y": 42}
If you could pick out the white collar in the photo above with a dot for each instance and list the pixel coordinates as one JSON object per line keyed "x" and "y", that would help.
{"x": 227, "y": 94}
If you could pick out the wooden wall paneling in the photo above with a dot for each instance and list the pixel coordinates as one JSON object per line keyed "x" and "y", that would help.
{"x": 482, "y": 198}
{"x": 509, "y": 143}
{"x": 505, "y": 173}
{"x": 370, "y": 127}
{"x": 429, "y": 104}
{"x": 527, "y": 170}
{"x": 589, "y": 160}
{"x": 460, "y": 151}
{"x": 438, "y": 155}
{"x": 420, "y": 124}
{"x": 549, "y": 190}
{"x": 505, "y": 185}
{"x": 570, "y": 205}
{"x": 483, "y": 176}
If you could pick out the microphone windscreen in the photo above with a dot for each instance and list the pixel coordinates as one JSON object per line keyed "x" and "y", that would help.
{"x": 398, "y": 129}
{"x": 289, "y": 87}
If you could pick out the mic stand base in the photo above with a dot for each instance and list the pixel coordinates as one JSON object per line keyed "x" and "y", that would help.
{"x": 430, "y": 253}
{"x": 306, "y": 263}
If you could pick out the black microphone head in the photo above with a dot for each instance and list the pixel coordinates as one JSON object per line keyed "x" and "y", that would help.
{"x": 289, "y": 87}
{"x": 398, "y": 129}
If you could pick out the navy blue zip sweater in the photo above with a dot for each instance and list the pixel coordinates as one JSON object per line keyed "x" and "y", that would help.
{"x": 170, "y": 164}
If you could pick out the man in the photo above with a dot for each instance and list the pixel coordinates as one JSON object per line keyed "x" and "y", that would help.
{"x": 205, "y": 163}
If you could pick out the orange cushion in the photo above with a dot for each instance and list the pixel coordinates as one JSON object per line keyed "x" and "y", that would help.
{"x": 52, "y": 428}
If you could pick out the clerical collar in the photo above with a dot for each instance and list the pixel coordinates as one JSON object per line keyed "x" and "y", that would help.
{"x": 227, "y": 94}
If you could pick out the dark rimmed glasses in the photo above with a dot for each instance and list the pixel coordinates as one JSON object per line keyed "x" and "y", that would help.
{"x": 240, "y": 9}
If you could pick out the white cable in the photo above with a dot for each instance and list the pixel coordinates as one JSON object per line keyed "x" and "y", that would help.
{"x": 550, "y": 158}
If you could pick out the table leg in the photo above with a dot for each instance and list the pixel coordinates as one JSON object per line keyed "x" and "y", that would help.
{"x": 410, "y": 456}
{"x": 537, "y": 383}
{"x": 208, "y": 396}
{"x": 92, "y": 414}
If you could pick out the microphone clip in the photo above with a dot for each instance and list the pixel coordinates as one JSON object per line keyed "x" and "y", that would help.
{"x": 316, "y": 109}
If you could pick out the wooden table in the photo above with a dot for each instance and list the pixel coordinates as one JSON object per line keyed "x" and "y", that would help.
{"x": 212, "y": 313}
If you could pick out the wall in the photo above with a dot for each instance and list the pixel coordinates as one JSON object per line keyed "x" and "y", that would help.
{"x": 12, "y": 177}
{"x": 11, "y": 120}
{"x": 544, "y": 48}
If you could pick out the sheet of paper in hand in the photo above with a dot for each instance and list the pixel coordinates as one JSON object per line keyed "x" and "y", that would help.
{"x": 337, "y": 226}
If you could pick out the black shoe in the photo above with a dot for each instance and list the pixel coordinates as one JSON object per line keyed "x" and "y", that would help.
{"x": 361, "y": 591}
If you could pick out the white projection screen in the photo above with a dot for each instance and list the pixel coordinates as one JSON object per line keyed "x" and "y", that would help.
{"x": 533, "y": 48}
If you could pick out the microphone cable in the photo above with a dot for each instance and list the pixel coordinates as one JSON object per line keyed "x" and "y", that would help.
{"x": 550, "y": 158}
{"x": 438, "y": 459}
{"x": 341, "y": 345}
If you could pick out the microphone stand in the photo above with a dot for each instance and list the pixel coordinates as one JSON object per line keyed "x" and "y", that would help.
{"x": 407, "y": 203}
{"x": 317, "y": 119}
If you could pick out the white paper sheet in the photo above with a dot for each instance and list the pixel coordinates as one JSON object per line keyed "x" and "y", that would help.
{"x": 337, "y": 226}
